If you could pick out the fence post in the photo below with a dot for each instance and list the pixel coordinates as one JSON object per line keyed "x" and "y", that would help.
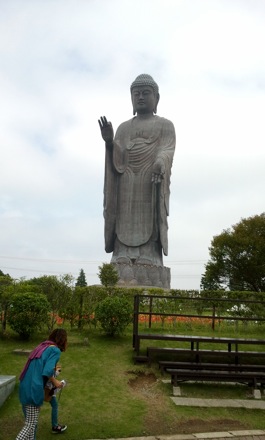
{"x": 213, "y": 318}
{"x": 135, "y": 319}
{"x": 150, "y": 311}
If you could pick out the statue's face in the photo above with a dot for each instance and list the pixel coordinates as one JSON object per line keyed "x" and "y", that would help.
{"x": 144, "y": 99}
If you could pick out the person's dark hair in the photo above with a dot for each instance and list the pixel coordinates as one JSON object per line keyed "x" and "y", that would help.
{"x": 59, "y": 336}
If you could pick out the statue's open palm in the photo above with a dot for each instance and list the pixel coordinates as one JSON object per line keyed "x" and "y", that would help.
{"x": 106, "y": 129}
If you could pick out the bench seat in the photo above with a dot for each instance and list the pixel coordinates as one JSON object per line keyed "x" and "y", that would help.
{"x": 251, "y": 378}
{"x": 165, "y": 365}
{"x": 204, "y": 355}
{"x": 195, "y": 342}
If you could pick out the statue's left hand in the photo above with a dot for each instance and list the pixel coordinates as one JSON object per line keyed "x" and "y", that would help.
{"x": 106, "y": 129}
{"x": 158, "y": 171}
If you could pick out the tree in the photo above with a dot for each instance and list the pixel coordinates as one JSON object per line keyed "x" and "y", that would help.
{"x": 108, "y": 275}
{"x": 27, "y": 313}
{"x": 238, "y": 257}
{"x": 58, "y": 291}
{"x": 6, "y": 290}
{"x": 81, "y": 280}
{"x": 2, "y": 274}
{"x": 80, "y": 290}
{"x": 9, "y": 287}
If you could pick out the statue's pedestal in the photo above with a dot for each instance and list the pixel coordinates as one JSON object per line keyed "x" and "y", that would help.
{"x": 143, "y": 275}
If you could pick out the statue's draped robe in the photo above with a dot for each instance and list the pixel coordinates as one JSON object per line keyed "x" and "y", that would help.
{"x": 133, "y": 205}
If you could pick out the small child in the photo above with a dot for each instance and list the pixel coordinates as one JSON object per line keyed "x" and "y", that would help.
{"x": 50, "y": 396}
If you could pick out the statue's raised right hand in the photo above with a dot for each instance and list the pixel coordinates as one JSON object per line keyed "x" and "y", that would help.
{"x": 106, "y": 129}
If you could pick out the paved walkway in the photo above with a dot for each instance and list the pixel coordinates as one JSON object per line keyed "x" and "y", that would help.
{"x": 232, "y": 435}
{"x": 220, "y": 403}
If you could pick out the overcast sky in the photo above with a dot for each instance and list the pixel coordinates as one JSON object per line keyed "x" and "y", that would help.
{"x": 64, "y": 63}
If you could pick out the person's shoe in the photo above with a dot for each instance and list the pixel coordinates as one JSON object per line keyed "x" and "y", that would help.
{"x": 58, "y": 429}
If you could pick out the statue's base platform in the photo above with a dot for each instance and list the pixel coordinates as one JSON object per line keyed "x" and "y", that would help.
{"x": 143, "y": 275}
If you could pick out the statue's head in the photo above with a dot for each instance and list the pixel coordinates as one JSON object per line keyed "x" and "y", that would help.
{"x": 145, "y": 84}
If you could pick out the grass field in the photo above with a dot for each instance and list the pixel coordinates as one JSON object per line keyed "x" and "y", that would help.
{"x": 108, "y": 396}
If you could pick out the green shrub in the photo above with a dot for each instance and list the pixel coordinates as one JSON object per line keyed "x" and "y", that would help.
{"x": 114, "y": 314}
{"x": 27, "y": 313}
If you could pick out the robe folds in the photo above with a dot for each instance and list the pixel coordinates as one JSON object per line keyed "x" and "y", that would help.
{"x": 134, "y": 205}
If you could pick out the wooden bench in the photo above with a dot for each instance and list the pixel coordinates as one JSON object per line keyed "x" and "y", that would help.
{"x": 164, "y": 366}
{"x": 152, "y": 353}
{"x": 195, "y": 342}
{"x": 177, "y": 354}
{"x": 174, "y": 353}
{"x": 251, "y": 378}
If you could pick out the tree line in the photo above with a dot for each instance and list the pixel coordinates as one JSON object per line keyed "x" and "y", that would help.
{"x": 236, "y": 269}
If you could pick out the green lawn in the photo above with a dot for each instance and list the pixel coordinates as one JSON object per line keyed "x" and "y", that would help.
{"x": 99, "y": 402}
